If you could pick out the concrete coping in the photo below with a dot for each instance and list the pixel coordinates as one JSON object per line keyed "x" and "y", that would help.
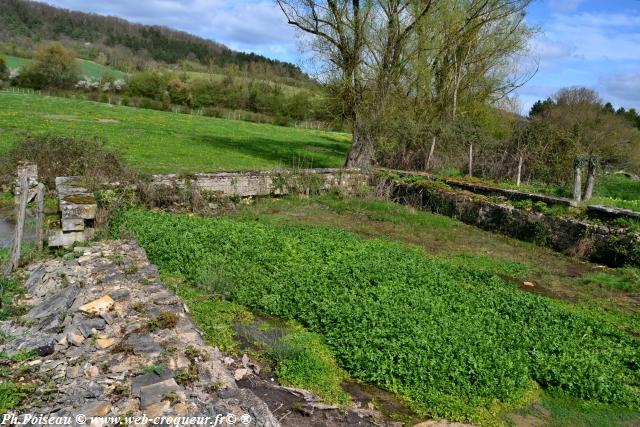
{"x": 487, "y": 189}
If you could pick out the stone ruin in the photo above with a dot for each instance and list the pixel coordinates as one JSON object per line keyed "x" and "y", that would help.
{"x": 78, "y": 208}
{"x": 29, "y": 171}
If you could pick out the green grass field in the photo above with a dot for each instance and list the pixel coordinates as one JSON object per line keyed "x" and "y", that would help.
{"x": 160, "y": 142}
{"x": 89, "y": 68}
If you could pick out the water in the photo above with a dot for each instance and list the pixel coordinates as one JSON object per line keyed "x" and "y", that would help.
{"x": 8, "y": 224}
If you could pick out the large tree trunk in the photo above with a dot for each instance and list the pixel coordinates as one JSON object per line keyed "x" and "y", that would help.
{"x": 591, "y": 180}
{"x": 361, "y": 152}
{"x": 577, "y": 184}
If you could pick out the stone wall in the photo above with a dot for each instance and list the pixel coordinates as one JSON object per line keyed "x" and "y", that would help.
{"x": 269, "y": 183}
{"x": 487, "y": 190}
{"x": 609, "y": 245}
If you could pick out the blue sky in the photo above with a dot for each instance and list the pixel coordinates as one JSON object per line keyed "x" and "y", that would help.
{"x": 593, "y": 43}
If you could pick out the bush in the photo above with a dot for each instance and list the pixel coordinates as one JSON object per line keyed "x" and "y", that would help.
{"x": 65, "y": 156}
{"x": 453, "y": 340}
{"x": 53, "y": 66}
{"x": 148, "y": 84}
{"x": 4, "y": 70}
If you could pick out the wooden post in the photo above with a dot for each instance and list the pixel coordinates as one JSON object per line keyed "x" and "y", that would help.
{"x": 591, "y": 178}
{"x": 519, "y": 177}
{"x": 577, "y": 183}
{"x": 471, "y": 160}
{"x": 433, "y": 147}
{"x": 40, "y": 216}
{"x": 17, "y": 237}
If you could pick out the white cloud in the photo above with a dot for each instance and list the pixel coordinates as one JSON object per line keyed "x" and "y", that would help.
{"x": 565, "y": 5}
{"x": 622, "y": 87}
{"x": 597, "y": 36}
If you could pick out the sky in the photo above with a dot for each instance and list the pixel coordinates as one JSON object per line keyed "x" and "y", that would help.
{"x": 592, "y": 43}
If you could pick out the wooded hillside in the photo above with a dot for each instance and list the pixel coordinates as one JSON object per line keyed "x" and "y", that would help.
{"x": 120, "y": 43}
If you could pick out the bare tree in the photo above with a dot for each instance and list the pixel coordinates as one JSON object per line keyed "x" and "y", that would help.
{"x": 365, "y": 42}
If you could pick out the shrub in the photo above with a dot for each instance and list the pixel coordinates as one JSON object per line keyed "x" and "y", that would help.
{"x": 148, "y": 84}
{"x": 53, "y": 66}
{"x": 65, "y": 156}
{"x": 453, "y": 340}
{"x": 4, "y": 70}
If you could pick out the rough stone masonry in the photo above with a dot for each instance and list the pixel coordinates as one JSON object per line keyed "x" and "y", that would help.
{"x": 112, "y": 340}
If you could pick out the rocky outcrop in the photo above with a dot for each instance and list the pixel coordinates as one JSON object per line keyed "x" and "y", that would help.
{"x": 110, "y": 339}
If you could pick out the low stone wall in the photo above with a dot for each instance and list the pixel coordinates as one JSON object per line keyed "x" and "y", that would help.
{"x": 493, "y": 191}
{"x": 609, "y": 245}
{"x": 268, "y": 183}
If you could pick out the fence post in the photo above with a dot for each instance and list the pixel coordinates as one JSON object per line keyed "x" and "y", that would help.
{"x": 40, "y": 216}
{"x": 17, "y": 237}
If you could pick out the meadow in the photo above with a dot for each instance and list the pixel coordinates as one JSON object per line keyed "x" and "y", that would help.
{"x": 161, "y": 142}
{"x": 87, "y": 68}
{"x": 449, "y": 331}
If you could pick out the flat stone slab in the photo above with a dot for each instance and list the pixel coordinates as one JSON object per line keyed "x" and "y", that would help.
{"x": 148, "y": 379}
{"x": 611, "y": 212}
{"x": 54, "y": 305}
{"x": 144, "y": 344}
{"x": 157, "y": 392}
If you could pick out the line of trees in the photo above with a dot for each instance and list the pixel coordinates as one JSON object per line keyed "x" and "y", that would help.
{"x": 426, "y": 84}
{"x": 573, "y": 134}
{"x": 398, "y": 68}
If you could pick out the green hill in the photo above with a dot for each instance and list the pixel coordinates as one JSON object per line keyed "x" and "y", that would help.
{"x": 125, "y": 45}
{"x": 160, "y": 142}
{"x": 89, "y": 68}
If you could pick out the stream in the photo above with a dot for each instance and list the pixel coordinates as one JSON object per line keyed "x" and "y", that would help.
{"x": 7, "y": 226}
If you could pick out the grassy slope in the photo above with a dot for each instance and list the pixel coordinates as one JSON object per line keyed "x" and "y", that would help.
{"x": 89, "y": 68}
{"x": 155, "y": 141}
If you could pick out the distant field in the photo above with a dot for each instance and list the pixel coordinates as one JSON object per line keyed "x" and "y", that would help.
{"x": 89, "y": 68}
{"x": 160, "y": 142}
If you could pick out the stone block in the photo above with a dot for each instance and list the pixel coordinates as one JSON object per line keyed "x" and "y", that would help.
{"x": 72, "y": 224}
{"x": 72, "y": 210}
{"x": 58, "y": 238}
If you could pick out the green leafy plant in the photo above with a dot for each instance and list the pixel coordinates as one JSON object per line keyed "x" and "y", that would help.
{"x": 453, "y": 340}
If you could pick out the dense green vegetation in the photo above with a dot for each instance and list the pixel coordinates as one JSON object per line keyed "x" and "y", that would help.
{"x": 252, "y": 100}
{"x": 455, "y": 341}
{"x": 157, "y": 142}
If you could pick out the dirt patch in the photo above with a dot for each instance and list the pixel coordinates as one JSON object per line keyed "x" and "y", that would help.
{"x": 62, "y": 117}
{"x": 526, "y": 421}
{"x": 294, "y": 411}
{"x": 108, "y": 121}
